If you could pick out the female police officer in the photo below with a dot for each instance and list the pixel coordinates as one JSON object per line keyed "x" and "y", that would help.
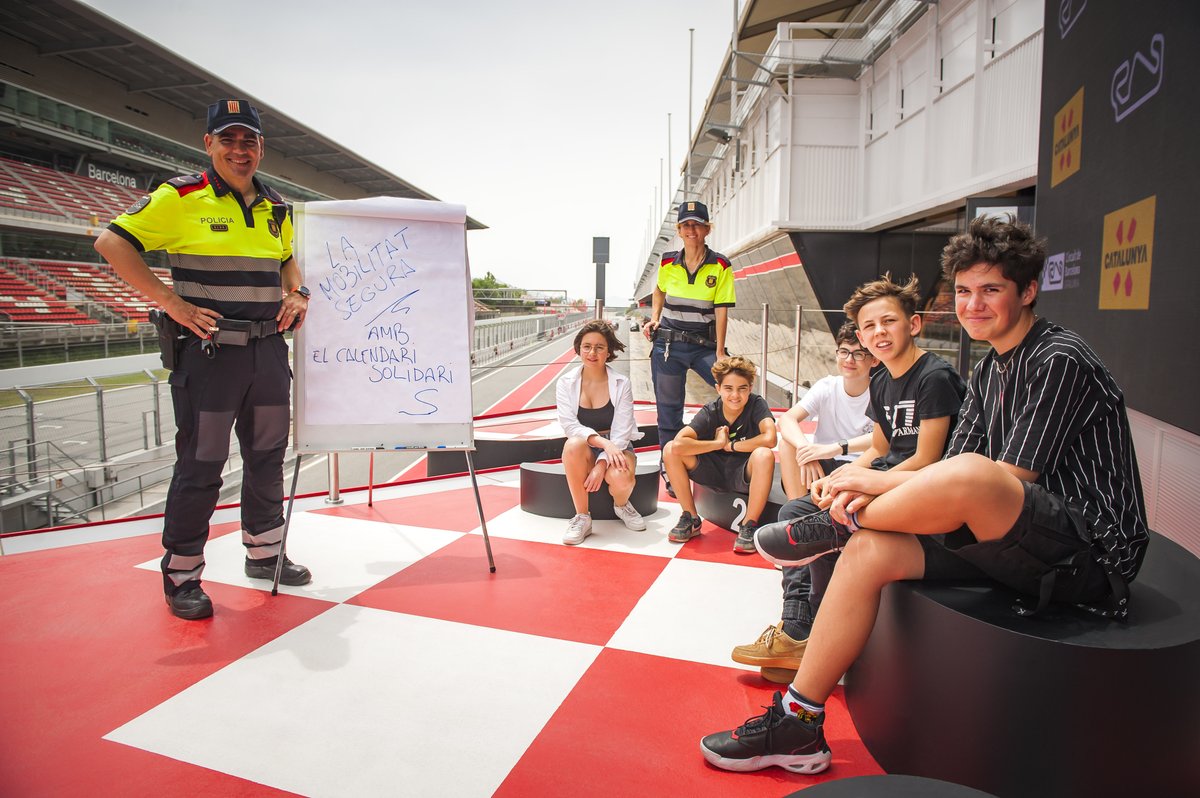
{"x": 688, "y": 318}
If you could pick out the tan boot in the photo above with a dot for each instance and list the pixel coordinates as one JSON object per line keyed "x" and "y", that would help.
{"x": 772, "y": 649}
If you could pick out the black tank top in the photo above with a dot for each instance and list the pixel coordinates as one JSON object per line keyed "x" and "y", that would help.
{"x": 598, "y": 418}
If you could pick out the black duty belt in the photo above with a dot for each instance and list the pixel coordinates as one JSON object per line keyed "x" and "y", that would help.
{"x": 679, "y": 336}
{"x": 235, "y": 332}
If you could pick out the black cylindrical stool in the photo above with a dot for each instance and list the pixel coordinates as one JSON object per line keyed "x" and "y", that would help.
{"x": 544, "y": 491}
{"x": 954, "y": 685}
{"x": 889, "y": 787}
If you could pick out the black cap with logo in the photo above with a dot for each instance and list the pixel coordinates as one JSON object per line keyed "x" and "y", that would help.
{"x": 692, "y": 212}
{"x": 227, "y": 113}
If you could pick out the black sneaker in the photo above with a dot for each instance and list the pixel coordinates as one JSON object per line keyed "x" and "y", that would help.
{"x": 745, "y": 539}
{"x": 776, "y": 738}
{"x": 662, "y": 470}
{"x": 293, "y": 575}
{"x": 190, "y": 603}
{"x": 685, "y": 529}
{"x": 801, "y": 540}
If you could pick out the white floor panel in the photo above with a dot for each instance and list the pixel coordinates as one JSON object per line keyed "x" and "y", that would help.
{"x": 358, "y": 706}
{"x": 346, "y": 555}
{"x": 509, "y": 477}
{"x": 609, "y": 535}
{"x": 699, "y": 611}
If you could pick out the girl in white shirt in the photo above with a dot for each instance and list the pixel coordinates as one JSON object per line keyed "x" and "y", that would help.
{"x": 595, "y": 409}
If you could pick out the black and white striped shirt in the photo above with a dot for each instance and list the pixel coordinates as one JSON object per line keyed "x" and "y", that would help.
{"x": 1052, "y": 407}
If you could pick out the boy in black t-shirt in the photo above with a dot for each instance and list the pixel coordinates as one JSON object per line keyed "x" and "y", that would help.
{"x": 915, "y": 400}
{"x": 1040, "y": 489}
{"x": 727, "y": 446}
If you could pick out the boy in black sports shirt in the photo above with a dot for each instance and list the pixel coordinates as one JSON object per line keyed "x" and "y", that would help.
{"x": 1040, "y": 487}
{"x": 728, "y": 446}
{"x": 914, "y": 402}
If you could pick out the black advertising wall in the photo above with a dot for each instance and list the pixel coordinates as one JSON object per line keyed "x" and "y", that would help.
{"x": 1118, "y": 161}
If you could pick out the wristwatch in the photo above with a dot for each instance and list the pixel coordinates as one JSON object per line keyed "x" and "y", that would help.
{"x": 303, "y": 291}
{"x": 845, "y": 444}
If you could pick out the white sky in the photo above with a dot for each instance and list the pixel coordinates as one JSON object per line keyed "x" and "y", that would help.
{"x": 546, "y": 119}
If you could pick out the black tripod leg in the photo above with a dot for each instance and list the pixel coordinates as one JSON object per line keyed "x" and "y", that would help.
{"x": 287, "y": 520}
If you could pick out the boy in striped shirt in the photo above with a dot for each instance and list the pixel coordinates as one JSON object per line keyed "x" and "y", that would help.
{"x": 1039, "y": 490}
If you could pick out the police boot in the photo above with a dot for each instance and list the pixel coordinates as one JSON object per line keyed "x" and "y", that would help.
{"x": 294, "y": 575}
{"x": 190, "y": 603}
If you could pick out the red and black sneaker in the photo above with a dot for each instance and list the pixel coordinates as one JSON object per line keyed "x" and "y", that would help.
{"x": 801, "y": 540}
{"x": 792, "y": 742}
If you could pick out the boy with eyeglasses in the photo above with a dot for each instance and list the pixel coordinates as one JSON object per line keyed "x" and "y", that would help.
{"x": 727, "y": 446}
{"x": 913, "y": 403}
{"x": 838, "y": 402}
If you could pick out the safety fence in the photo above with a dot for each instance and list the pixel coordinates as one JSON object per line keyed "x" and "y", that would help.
{"x": 100, "y": 454}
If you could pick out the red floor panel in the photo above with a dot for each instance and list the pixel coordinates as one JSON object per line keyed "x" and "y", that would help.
{"x": 452, "y": 510}
{"x": 642, "y": 717}
{"x": 538, "y": 588}
{"x": 715, "y": 544}
{"x": 94, "y": 646}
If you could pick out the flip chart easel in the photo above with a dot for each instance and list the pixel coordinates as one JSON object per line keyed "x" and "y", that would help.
{"x": 383, "y": 361}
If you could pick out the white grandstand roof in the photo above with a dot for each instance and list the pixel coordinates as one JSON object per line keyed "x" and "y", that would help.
{"x": 86, "y": 38}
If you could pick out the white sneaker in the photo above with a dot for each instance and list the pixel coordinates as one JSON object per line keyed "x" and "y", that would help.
{"x": 579, "y": 528}
{"x": 630, "y": 516}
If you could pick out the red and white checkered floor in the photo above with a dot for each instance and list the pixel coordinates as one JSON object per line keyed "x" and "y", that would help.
{"x": 404, "y": 668}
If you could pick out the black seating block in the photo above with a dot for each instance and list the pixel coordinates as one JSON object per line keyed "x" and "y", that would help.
{"x": 544, "y": 492}
{"x": 724, "y": 508}
{"x": 954, "y": 685}
{"x": 888, "y": 787}
{"x": 498, "y": 453}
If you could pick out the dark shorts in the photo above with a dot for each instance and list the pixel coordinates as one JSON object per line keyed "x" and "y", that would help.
{"x": 1049, "y": 534}
{"x": 721, "y": 473}
{"x": 596, "y": 451}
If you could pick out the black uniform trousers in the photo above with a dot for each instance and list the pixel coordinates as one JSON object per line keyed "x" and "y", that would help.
{"x": 246, "y": 388}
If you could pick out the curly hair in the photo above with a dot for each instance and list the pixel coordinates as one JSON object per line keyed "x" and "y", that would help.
{"x": 605, "y": 329}
{"x": 743, "y": 367}
{"x": 1003, "y": 242}
{"x": 907, "y": 295}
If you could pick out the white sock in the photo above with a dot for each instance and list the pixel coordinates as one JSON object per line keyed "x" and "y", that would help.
{"x": 794, "y": 704}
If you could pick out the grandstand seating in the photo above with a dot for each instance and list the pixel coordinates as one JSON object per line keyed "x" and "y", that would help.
{"x": 100, "y": 284}
{"x": 26, "y": 187}
{"x": 23, "y": 302}
{"x": 96, "y": 282}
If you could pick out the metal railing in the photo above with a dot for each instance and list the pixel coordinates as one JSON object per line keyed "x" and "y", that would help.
{"x": 495, "y": 339}
{"x": 85, "y": 455}
{"x": 94, "y": 456}
{"x": 110, "y": 422}
{"x": 794, "y": 346}
{"x": 25, "y": 344}
{"x": 54, "y": 488}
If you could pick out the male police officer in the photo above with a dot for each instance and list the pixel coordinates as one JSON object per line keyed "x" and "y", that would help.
{"x": 228, "y": 239}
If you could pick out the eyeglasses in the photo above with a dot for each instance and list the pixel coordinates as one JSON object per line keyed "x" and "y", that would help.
{"x": 859, "y": 355}
{"x": 599, "y": 349}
